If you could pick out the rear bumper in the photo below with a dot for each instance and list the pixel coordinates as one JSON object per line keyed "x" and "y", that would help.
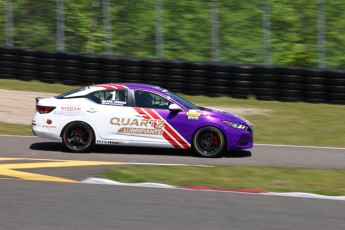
{"x": 44, "y": 132}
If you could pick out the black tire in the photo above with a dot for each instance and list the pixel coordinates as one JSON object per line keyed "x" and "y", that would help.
{"x": 336, "y": 96}
{"x": 266, "y": 92}
{"x": 314, "y": 80}
{"x": 176, "y": 72}
{"x": 336, "y": 89}
{"x": 290, "y": 86}
{"x": 8, "y": 57}
{"x": 219, "y": 82}
{"x": 314, "y": 87}
{"x": 209, "y": 142}
{"x": 243, "y": 84}
{"x": 314, "y": 95}
{"x": 78, "y": 137}
{"x": 290, "y": 78}
{"x": 266, "y": 84}
{"x": 336, "y": 81}
{"x": 241, "y": 77}
{"x": 218, "y": 89}
{"x": 266, "y": 77}
{"x": 196, "y": 73}
{"x": 289, "y": 93}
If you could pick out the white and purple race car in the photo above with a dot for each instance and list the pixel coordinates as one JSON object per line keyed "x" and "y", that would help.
{"x": 138, "y": 115}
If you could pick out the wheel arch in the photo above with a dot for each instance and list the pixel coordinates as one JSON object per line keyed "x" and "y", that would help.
{"x": 74, "y": 121}
{"x": 209, "y": 125}
{"x": 221, "y": 129}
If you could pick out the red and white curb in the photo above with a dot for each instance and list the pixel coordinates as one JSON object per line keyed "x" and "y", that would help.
{"x": 206, "y": 188}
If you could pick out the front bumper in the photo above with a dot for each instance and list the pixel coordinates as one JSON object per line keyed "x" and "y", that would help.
{"x": 239, "y": 139}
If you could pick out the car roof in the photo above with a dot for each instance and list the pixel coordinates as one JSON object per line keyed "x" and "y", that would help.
{"x": 111, "y": 86}
{"x": 129, "y": 86}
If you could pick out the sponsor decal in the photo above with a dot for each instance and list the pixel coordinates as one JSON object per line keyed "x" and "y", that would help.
{"x": 157, "y": 124}
{"x": 71, "y": 107}
{"x": 69, "y": 110}
{"x": 49, "y": 126}
{"x": 141, "y": 131}
{"x": 193, "y": 115}
{"x": 69, "y": 113}
{"x": 147, "y": 126}
{"x": 107, "y": 142}
{"x": 113, "y": 102}
{"x": 169, "y": 133}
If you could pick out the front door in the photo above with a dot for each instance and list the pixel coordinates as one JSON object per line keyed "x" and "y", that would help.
{"x": 158, "y": 125}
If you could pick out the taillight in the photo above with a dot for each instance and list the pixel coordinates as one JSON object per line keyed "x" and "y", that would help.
{"x": 44, "y": 109}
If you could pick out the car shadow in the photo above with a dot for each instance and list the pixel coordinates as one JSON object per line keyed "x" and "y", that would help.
{"x": 108, "y": 149}
{"x": 237, "y": 154}
{"x": 47, "y": 146}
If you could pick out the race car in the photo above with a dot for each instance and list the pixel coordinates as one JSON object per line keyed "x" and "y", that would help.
{"x": 130, "y": 114}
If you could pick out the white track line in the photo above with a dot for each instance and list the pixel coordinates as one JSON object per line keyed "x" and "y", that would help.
{"x": 301, "y": 146}
{"x": 166, "y": 186}
{"x": 165, "y": 164}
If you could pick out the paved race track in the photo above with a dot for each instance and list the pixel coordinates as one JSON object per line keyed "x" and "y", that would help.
{"x": 30, "y": 204}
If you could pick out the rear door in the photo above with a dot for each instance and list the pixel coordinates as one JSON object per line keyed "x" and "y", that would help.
{"x": 109, "y": 111}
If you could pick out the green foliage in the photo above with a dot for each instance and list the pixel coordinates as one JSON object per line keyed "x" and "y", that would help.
{"x": 187, "y": 26}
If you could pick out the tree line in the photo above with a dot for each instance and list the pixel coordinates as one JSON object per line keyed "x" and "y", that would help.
{"x": 187, "y": 29}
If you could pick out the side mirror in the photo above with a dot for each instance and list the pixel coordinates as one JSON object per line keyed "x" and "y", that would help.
{"x": 175, "y": 107}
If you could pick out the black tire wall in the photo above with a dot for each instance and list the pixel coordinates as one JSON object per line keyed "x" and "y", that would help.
{"x": 287, "y": 84}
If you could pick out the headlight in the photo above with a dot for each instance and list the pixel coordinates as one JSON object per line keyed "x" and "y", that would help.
{"x": 236, "y": 125}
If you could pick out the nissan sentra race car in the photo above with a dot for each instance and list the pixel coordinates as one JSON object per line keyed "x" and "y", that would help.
{"x": 138, "y": 115}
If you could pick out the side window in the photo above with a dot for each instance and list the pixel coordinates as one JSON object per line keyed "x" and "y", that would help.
{"x": 110, "y": 97}
{"x": 146, "y": 99}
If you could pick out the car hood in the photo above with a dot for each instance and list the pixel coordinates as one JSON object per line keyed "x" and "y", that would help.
{"x": 222, "y": 115}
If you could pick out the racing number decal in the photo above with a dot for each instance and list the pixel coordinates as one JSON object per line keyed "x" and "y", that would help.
{"x": 169, "y": 133}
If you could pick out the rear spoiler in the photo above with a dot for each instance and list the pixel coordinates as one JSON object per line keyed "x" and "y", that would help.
{"x": 38, "y": 98}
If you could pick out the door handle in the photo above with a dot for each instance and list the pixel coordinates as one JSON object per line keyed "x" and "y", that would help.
{"x": 92, "y": 110}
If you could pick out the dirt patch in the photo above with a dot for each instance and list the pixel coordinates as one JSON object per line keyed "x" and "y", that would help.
{"x": 18, "y": 107}
{"x": 245, "y": 111}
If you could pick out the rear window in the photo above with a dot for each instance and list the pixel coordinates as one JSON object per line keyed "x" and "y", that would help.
{"x": 62, "y": 96}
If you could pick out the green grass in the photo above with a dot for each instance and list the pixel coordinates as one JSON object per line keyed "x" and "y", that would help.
{"x": 287, "y": 123}
{"x": 34, "y": 86}
{"x": 290, "y": 123}
{"x": 275, "y": 179}
{"x": 15, "y": 129}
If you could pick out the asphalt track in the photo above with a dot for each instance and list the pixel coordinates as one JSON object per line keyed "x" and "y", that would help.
{"x": 29, "y": 203}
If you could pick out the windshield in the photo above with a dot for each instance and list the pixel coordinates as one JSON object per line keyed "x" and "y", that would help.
{"x": 182, "y": 101}
{"x": 61, "y": 96}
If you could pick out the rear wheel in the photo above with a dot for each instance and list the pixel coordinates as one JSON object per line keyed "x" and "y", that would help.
{"x": 209, "y": 142}
{"x": 78, "y": 137}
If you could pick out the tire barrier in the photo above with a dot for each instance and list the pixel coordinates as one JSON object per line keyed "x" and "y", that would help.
{"x": 264, "y": 82}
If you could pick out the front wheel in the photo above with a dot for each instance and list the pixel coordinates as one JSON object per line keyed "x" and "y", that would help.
{"x": 209, "y": 142}
{"x": 78, "y": 137}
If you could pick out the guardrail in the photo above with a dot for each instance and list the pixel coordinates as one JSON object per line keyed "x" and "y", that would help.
{"x": 288, "y": 84}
